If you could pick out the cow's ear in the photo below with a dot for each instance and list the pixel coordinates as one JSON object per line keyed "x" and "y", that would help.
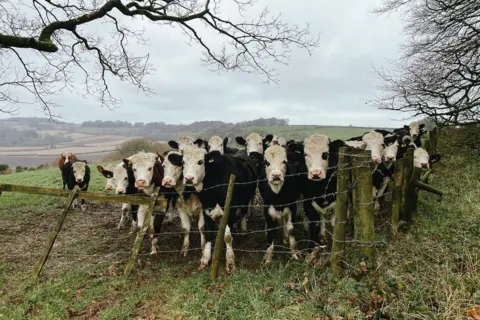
{"x": 199, "y": 142}
{"x": 126, "y": 161}
{"x": 160, "y": 157}
{"x": 406, "y": 127}
{"x": 290, "y": 141}
{"x": 63, "y": 156}
{"x": 268, "y": 138}
{"x": 434, "y": 158}
{"x": 241, "y": 141}
{"x": 173, "y": 144}
{"x": 85, "y": 161}
{"x": 100, "y": 169}
{"x": 336, "y": 144}
{"x": 225, "y": 141}
{"x": 421, "y": 126}
{"x": 175, "y": 159}
{"x": 390, "y": 139}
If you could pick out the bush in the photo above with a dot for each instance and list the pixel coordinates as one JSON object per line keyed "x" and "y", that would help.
{"x": 19, "y": 169}
{"x": 133, "y": 146}
{"x": 3, "y": 167}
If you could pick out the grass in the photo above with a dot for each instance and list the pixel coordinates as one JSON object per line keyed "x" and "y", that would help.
{"x": 431, "y": 271}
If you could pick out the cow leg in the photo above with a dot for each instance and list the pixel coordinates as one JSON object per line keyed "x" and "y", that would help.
{"x": 142, "y": 211}
{"x": 209, "y": 236}
{"x": 125, "y": 209}
{"x": 291, "y": 237}
{"x": 230, "y": 256}
{"x": 312, "y": 216}
{"x": 271, "y": 233}
{"x": 201, "y": 228}
{"x": 155, "y": 225}
{"x": 83, "y": 206}
{"x": 186, "y": 226}
{"x": 134, "y": 213}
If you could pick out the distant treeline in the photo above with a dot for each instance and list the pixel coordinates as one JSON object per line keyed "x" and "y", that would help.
{"x": 11, "y": 137}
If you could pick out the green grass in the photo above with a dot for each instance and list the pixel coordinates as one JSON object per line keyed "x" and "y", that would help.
{"x": 429, "y": 272}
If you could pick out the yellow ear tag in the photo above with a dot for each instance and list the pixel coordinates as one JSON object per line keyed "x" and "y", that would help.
{"x": 404, "y": 145}
{"x": 210, "y": 161}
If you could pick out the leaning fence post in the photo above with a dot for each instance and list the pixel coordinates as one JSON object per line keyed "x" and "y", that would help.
{"x": 219, "y": 242}
{"x": 397, "y": 196}
{"x": 407, "y": 179}
{"x": 341, "y": 207}
{"x": 141, "y": 233}
{"x": 53, "y": 235}
{"x": 364, "y": 203}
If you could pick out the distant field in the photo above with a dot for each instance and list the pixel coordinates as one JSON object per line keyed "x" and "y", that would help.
{"x": 301, "y": 132}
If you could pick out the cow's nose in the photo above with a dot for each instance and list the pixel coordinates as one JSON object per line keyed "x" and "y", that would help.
{"x": 108, "y": 187}
{"x": 120, "y": 190}
{"x": 316, "y": 174}
{"x": 167, "y": 181}
{"x": 424, "y": 165}
{"x": 141, "y": 182}
{"x": 376, "y": 159}
{"x": 390, "y": 158}
{"x": 79, "y": 180}
{"x": 189, "y": 179}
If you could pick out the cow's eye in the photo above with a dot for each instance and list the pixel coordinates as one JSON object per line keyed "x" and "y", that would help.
{"x": 183, "y": 162}
{"x": 307, "y": 155}
{"x": 259, "y": 143}
{"x": 74, "y": 171}
{"x": 134, "y": 170}
{"x": 284, "y": 161}
{"x": 125, "y": 178}
{"x": 325, "y": 155}
{"x": 150, "y": 169}
{"x": 267, "y": 163}
{"x": 200, "y": 162}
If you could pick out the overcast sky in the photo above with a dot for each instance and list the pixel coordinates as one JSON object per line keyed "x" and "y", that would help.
{"x": 329, "y": 87}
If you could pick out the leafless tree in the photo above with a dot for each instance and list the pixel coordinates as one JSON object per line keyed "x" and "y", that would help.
{"x": 438, "y": 74}
{"x": 44, "y": 43}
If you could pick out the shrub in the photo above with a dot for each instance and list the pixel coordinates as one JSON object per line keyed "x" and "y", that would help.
{"x": 3, "y": 167}
{"x": 19, "y": 169}
{"x": 133, "y": 146}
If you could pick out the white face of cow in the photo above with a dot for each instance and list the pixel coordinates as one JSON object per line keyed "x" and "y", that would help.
{"x": 193, "y": 165}
{"x": 276, "y": 165}
{"x": 172, "y": 173}
{"x": 390, "y": 152}
{"x": 279, "y": 141}
{"x": 120, "y": 178}
{"x": 316, "y": 156}
{"x": 421, "y": 159}
{"x": 374, "y": 142}
{"x": 254, "y": 143}
{"x": 183, "y": 142}
{"x": 414, "y": 130}
{"x": 79, "y": 169}
{"x": 215, "y": 144}
{"x": 109, "y": 185}
{"x": 142, "y": 165}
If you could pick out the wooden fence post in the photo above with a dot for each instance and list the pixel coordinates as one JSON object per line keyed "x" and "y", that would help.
{"x": 407, "y": 175}
{"x": 397, "y": 196}
{"x": 364, "y": 203}
{"x": 412, "y": 196}
{"x": 141, "y": 233}
{"x": 53, "y": 235}
{"x": 219, "y": 242}
{"x": 341, "y": 207}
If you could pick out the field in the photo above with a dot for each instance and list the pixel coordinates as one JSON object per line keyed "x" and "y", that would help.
{"x": 429, "y": 272}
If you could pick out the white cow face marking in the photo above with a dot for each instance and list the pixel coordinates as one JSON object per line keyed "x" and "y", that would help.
{"x": 316, "y": 149}
{"x": 279, "y": 141}
{"x": 107, "y": 172}
{"x": 193, "y": 166}
{"x": 120, "y": 178}
{"x": 374, "y": 142}
{"x": 276, "y": 164}
{"x": 142, "y": 165}
{"x": 182, "y": 143}
{"x": 79, "y": 169}
{"x": 172, "y": 172}
{"x": 414, "y": 130}
{"x": 390, "y": 151}
{"x": 421, "y": 159}
{"x": 215, "y": 144}
{"x": 254, "y": 143}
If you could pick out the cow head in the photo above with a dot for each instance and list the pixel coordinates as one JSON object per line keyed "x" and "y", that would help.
{"x": 415, "y": 129}
{"x": 120, "y": 178}
{"x": 172, "y": 169}
{"x": 279, "y": 141}
{"x": 275, "y": 166}
{"x": 193, "y": 161}
{"x": 201, "y": 143}
{"x": 79, "y": 168}
{"x": 182, "y": 143}
{"x": 254, "y": 142}
{"x": 316, "y": 148}
{"x": 107, "y": 172}
{"x": 142, "y": 164}
{"x": 217, "y": 144}
{"x": 421, "y": 158}
{"x": 372, "y": 141}
{"x": 392, "y": 142}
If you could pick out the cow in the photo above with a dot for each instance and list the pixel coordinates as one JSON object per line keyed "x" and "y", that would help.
{"x": 280, "y": 188}
{"x": 120, "y": 179}
{"x": 65, "y": 158}
{"x": 422, "y": 160}
{"x": 188, "y": 203}
{"x": 148, "y": 174}
{"x": 182, "y": 143}
{"x": 77, "y": 176}
{"x": 279, "y": 141}
{"x": 209, "y": 174}
{"x": 415, "y": 130}
{"x": 372, "y": 141}
{"x": 320, "y": 182}
{"x": 216, "y": 143}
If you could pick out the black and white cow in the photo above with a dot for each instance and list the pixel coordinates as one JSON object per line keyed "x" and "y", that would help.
{"x": 216, "y": 143}
{"x": 120, "y": 178}
{"x": 415, "y": 130}
{"x": 320, "y": 183}
{"x": 182, "y": 143}
{"x": 148, "y": 174}
{"x": 188, "y": 203}
{"x": 280, "y": 188}
{"x": 77, "y": 176}
{"x": 209, "y": 174}
{"x": 372, "y": 141}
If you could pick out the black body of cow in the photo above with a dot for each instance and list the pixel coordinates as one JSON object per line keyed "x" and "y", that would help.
{"x": 323, "y": 192}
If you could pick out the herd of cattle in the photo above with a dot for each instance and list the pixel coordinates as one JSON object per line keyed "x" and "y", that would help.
{"x": 194, "y": 178}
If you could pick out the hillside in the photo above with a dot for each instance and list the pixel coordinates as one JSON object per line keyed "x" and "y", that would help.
{"x": 35, "y": 141}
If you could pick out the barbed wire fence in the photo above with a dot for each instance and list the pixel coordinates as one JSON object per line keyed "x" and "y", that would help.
{"x": 355, "y": 229}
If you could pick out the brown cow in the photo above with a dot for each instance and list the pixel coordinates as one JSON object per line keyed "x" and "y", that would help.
{"x": 65, "y": 158}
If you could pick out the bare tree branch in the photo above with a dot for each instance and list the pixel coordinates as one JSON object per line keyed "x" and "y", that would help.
{"x": 49, "y": 44}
